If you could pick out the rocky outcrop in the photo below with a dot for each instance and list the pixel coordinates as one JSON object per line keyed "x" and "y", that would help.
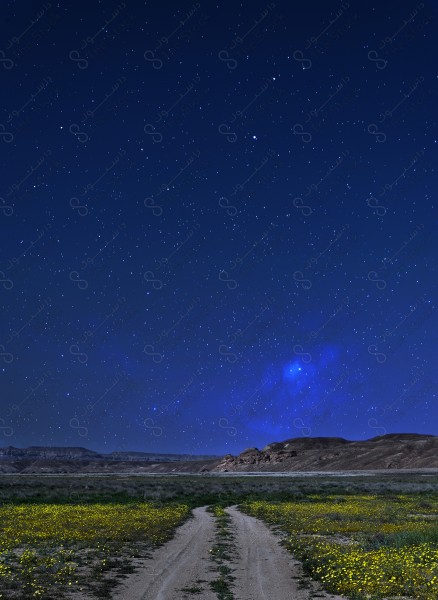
{"x": 392, "y": 451}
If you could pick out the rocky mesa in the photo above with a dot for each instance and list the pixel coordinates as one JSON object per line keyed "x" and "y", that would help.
{"x": 391, "y": 451}
{"x": 65, "y": 459}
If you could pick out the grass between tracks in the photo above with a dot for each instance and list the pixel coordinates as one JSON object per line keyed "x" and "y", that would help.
{"x": 222, "y": 553}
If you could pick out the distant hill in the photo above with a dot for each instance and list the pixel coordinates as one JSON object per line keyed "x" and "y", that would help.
{"x": 55, "y": 453}
{"x": 391, "y": 451}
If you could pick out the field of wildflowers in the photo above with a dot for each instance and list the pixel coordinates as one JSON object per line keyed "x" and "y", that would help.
{"x": 363, "y": 546}
{"x": 49, "y": 549}
{"x": 365, "y": 538}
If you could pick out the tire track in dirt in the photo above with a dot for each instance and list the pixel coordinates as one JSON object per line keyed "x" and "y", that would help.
{"x": 176, "y": 565}
{"x": 264, "y": 570}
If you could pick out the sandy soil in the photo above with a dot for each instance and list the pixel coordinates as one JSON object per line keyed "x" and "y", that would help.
{"x": 264, "y": 570}
{"x": 178, "y": 564}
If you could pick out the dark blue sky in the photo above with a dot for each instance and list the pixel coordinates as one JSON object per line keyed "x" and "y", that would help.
{"x": 218, "y": 223}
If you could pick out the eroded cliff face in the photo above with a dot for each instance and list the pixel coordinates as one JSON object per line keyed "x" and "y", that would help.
{"x": 393, "y": 451}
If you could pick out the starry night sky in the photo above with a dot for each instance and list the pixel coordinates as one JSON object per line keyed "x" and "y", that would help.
{"x": 218, "y": 223}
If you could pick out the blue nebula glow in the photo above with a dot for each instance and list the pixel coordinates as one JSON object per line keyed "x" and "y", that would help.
{"x": 292, "y": 371}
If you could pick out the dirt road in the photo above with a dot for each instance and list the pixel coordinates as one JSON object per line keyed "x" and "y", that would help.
{"x": 177, "y": 565}
{"x": 182, "y": 568}
{"x": 264, "y": 570}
